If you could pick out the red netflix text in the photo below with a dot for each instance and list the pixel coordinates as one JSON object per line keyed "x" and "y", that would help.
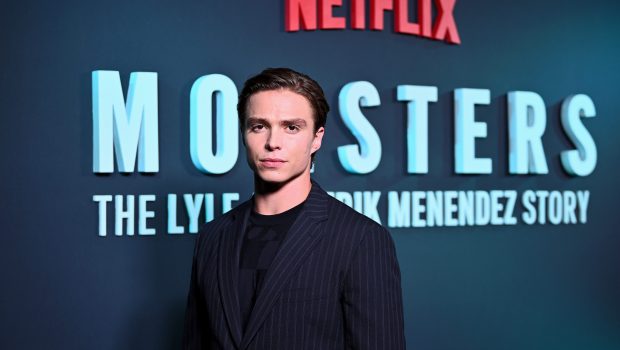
{"x": 318, "y": 14}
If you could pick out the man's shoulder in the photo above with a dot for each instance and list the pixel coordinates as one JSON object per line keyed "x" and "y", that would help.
{"x": 344, "y": 216}
{"x": 348, "y": 229}
{"x": 221, "y": 222}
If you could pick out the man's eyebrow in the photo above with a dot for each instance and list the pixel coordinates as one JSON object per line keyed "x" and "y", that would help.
{"x": 254, "y": 120}
{"x": 296, "y": 121}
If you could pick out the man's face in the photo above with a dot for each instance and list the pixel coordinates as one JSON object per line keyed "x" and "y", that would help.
{"x": 279, "y": 135}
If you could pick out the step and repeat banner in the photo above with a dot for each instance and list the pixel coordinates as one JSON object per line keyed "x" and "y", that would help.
{"x": 480, "y": 133}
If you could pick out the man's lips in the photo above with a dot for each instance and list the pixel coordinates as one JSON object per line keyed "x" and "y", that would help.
{"x": 272, "y": 162}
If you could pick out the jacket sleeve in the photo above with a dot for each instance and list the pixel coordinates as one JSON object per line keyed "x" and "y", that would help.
{"x": 195, "y": 333}
{"x": 372, "y": 296}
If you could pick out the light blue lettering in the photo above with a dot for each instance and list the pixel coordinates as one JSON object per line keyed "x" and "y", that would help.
{"x": 121, "y": 214}
{"x": 450, "y": 208}
{"x": 483, "y": 207}
{"x": 467, "y": 130}
{"x": 417, "y": 98}
{"x": 173, "y": 228}
{"x": 496, "y": 207}
{"x": 417, "y": 208}
{"x": 541, "y": 198}
{"x": 144, "y": 214}
{"x": 193, "y": 205}
{"x": 434, "y": 208}
{"x": 570, "y": 206}
{"x": 102, "y": 201}
{"x": 209, "y": 207}
{"x": 583, "y": 198}
{"x": 371, "y": 200}
{"x": 128, "y": 126}
{"x": 511, "y": 199}
{"x": 399, "y": 209}
{"x": 555, "y": 207}
{"x": 466, "y": 208}
{"x": 529, "y": 215}
{"x": 365, "y": 157}
{"x": 224, "y": 157}
{"x": 527, "y": 120}
{"x": 582, "y": 161}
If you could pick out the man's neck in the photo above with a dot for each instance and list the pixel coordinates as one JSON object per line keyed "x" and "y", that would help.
{"x": 271, "y": 199}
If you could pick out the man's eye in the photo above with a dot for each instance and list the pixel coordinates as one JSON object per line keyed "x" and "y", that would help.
{"x": 256, "y": 127}
{"x": 292, "y": 128}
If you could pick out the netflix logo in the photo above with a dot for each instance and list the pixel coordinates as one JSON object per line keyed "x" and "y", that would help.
{"x": 319, "y": 14}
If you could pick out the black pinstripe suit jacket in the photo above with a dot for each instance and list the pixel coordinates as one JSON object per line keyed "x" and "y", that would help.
{"x": 334, "y": 284}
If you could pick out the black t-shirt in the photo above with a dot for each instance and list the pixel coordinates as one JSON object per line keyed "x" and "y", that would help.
{"x": 261, "y": 241}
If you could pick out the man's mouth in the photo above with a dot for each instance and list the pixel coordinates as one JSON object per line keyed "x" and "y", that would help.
{"x": 272, "y": 162}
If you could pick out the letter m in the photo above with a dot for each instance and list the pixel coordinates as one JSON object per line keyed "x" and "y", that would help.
{"x": 125, "y": 127}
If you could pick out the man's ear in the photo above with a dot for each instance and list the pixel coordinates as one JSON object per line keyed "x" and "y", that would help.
{"x": 318, "y": 138}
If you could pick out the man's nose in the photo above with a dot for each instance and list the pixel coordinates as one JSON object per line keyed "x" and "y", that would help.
{"x": 274, "y": 140}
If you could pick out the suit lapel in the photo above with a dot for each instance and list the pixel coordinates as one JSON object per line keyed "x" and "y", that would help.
{"x": 228, "y": 268}
{"x": 298, "y": 243}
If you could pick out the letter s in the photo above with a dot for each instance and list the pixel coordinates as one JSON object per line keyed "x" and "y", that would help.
{"x": 580, "y": 161}
{"x": 365, "y": 157}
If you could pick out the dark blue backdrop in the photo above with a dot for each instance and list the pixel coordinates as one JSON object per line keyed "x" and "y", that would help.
{"x": 492, "y": 287}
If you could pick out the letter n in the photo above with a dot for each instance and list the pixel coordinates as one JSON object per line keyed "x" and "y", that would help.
{"x": 128, "y": 128}
{"x": 296, "y": 11}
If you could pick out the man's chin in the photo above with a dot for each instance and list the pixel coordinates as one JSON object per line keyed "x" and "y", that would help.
{"x": 274, "y": 179}
{"x": 268, "y": 183}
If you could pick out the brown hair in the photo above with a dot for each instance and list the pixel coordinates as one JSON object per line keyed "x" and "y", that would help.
{"x": 288, "y": 79}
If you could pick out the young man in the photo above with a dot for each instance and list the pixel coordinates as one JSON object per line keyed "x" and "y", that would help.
{"x": 292, "y": 268}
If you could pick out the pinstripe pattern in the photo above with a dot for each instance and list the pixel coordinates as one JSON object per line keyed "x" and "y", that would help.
{"x": 334, "y": 284}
